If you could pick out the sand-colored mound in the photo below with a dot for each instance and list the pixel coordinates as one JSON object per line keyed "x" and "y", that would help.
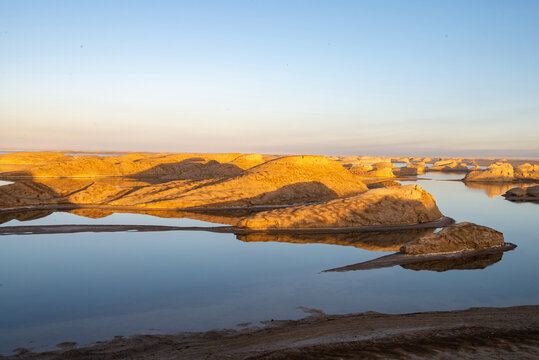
{"x": 400, "y": 160}
{"x": 455, "y": 238}
{"x": 375, "y": 184}
{"x": 411, "y": 169}
{"x": 494, "y": 172}
{"x": 359, "y": 169}
{"x": 247, "y": 161}
{"x": 527, "y": 172}
{"x": 385, "y": 206}
{"x": 383, "y": 165}
{"x": 32, "y": 158}
{"x": 285, "y": 180}
{"x": 381, "y": 170}
{"x": 191, "y": 169}
{"x": 176, "y": 166}
{"x": 48, "y": 191}
{"x": 448, "y": 166}
{"x": 530, "y": 193}
{"x": 23, "y": 193}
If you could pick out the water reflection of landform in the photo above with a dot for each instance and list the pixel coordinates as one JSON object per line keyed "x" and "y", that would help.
{"x": 229, "y": 218}
{"x": 493, "y": 189}
{"x": 466, "y": 263}
{"x": 373, "y": 241}
{"x": 465, "y": 260}
{"x": 24, "y": 215}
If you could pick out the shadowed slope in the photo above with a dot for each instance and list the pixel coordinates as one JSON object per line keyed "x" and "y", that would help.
{"x": 191, "y": 169}
{"x": 286, "y": 180}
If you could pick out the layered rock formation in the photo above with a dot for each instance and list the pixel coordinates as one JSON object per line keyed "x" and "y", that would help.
{"x": 518, "y": 193}
{"x": 32, "y": 158}
{"x": 448, "y": 166}
{"x": 282, "y": 181}
{"x": 170, "y": 166}
{"x": 494, "y": 172}
{"x": 527, "y": 172}
{"x": 285, "y": 180}
{"x": 380, "y": 170}
{"x": 411, "y": 169}
{"x": 385, "y": 206}
{"x": 455, "y": 238}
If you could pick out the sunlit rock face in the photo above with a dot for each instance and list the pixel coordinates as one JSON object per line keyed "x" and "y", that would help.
{"x": 527, "y": 172}
{"x": 384, "y": 206}
{"x": 448, "y": 166}
{"x": 32, "y": 158}
{"x": 177, "y": 166}
{"x": 247, "y": 161}
{"x": 25, "y": 193}
{"x": 494, "y": 172}
{"x": 381, "y": 170}
{"x": 455, "y": 238}
{"x": 199, "y": 183}
{"x": 282, "y": 181}
{"x": 375, "y": 184}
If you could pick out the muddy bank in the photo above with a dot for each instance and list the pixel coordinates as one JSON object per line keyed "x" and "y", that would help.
{"x": 511, "y": 332}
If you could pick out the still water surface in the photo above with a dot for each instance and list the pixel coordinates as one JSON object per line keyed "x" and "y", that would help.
{"x": 86, "y": 287}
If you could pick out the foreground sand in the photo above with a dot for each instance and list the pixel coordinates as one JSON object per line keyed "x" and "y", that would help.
{"x": 497, "y": 333}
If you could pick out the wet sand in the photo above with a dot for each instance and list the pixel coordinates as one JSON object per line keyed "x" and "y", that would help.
{"x": 501, "y": 333}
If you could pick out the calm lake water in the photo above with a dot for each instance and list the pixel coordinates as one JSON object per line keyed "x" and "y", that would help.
{"x": 92, "y": 286}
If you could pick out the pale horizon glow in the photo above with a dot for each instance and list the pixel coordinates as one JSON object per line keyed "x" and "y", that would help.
{"x": 418, "y": 78}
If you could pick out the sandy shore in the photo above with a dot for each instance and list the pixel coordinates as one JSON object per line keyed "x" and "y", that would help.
{"x": 500, "y": 333}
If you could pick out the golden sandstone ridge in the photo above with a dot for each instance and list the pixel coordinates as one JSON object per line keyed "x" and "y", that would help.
{"x": 384, "y": 206}
{"x": 282, "y": 181}
{"x": 455, "y": 238}
{"x": 185, "y": 180}
{"x": 325, "y": 192}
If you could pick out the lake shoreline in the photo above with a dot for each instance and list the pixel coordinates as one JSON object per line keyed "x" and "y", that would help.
{"x": 470, "y": 333}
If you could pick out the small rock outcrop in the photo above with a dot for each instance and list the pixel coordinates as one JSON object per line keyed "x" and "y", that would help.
{"x": 381, "y": 170}
{"x": 455, "y": 238}
{"x": 405, "y": 205}
{"x": 448, "y": 165}
{"x": 527, "y": 172}
{"x": 518, "y": 193}
{"x": 411, "y": 169}
{"x": 494, "y": 172}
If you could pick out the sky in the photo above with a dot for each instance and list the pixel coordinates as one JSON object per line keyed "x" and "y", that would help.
{"x": 380, "y": 77}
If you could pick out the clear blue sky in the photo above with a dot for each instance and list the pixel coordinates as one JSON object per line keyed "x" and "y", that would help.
{"x": 330, "y": 77}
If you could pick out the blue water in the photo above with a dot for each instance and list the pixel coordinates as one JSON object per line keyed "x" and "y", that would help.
{"x": 86, "y": 287}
